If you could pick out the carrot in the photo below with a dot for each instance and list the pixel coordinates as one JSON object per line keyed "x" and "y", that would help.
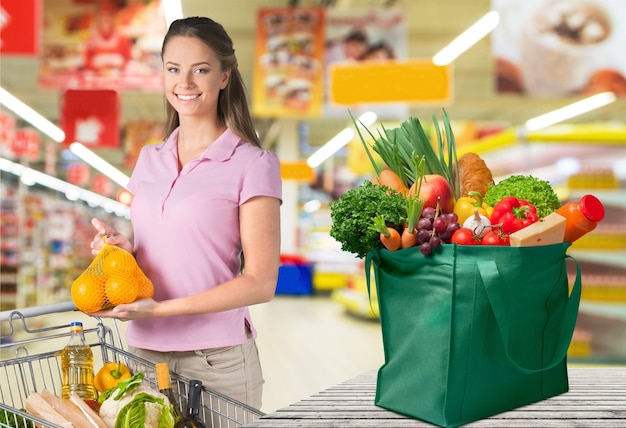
{"x": 408, "y": 238}
{"x": 392, "y": 239}
{"x": 389, "y": 237}
{"x": 392, "y": 180}
{"x": 414, "y": 210}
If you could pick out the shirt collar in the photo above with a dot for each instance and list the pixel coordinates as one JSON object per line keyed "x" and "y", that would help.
{"x": 221, "y": 149}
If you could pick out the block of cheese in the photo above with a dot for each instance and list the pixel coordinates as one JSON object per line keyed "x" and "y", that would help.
{"x": 549, "y": 230}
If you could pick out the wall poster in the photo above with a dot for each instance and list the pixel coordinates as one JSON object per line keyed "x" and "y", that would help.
{"x": 288, "y": 66}
{"x": 560, "y": 47}
{"x": 91, "y": 44}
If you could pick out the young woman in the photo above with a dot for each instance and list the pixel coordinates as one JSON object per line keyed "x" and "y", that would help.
{"x": 205, "y": 200}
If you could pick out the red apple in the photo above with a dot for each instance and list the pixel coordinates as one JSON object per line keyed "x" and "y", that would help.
{"x": 435, "y": 187}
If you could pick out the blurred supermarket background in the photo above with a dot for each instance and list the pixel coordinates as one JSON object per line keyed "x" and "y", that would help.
{"x": 321, "y": 317}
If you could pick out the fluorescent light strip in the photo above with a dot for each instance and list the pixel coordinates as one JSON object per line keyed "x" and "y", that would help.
{"x": 559, "y": 115}
{"x": 100, "y": 164}
{"x": 57, "y": 134}
{"x": 173, "y": 10}
{"x": 31, "y": 116}
{"x": 468, "y": 38}
{"x": 30, "y": 177}
{"x": 339, "y": 140}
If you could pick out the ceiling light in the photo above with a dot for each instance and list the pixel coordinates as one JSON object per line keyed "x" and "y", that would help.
{"x": 31, "y": 116}
{"x": 100, "y": 164}
{"x": 583, "y": 106}
{"x": 57, "y": 134}
{"x": 339, "y": 140}
{"x": 173, "y": 10}
{"x": 30, "y": 177}
{"x": 467, "y": 39}
{"x": 312, "y": 206}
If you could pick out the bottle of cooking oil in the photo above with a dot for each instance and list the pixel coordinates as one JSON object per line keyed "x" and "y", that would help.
{"x": 77, "y": 365}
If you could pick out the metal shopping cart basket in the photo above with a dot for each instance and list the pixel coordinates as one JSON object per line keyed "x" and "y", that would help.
{"x": 30, "y": 362}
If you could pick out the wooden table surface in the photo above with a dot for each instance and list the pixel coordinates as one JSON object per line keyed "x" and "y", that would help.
{"x": 596, "y": 398}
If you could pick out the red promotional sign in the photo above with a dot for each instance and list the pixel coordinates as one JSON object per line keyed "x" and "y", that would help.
{"x": 25, "y": 144}
{"x": 20, "y": 23}
{"x": 103, "y": 185}
{"x": 7, "y": 129}
{"x": 91, "y": 117}
{"x": 78, "y": 174}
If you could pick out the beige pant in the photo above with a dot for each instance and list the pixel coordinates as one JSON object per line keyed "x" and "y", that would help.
{"x": 234, "y": 371}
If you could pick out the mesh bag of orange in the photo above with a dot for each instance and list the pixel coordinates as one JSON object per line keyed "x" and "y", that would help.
{"x": 112, "y": 278}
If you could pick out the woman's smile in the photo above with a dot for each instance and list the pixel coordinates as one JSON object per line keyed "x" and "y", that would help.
{"x": 184, "y": 97}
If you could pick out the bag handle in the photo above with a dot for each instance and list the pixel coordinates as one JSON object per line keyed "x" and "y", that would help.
{"x": 489, "y": 273}
{"x": 368, "y": 264}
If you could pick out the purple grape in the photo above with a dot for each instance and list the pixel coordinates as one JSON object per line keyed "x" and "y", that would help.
{"x": 439, "y": 224}
{"x": 423, "y": 236}
{"x": 426, "y": 248}
{"x": 424, "y": 224}
{"x": 452, "y": 227}
{"x": 428, "y": 212}
{"x": 435, "y": 241}
{"x": 453, "y": 217}
{"x": 445, "y": 218}
{"x": 445, "y": 236}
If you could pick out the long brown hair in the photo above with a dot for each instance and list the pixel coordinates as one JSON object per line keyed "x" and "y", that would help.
{"x": 232, "y": 103}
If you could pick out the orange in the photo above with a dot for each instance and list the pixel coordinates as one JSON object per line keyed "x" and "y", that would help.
{"x": 88, "y": 292}
{"x": 118, "y": 261}
{"x": 121, "y": 289}
{"x": 146, "y": 288}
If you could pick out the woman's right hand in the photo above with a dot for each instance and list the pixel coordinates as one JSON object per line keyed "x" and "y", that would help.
{"x": 106, "y": 233}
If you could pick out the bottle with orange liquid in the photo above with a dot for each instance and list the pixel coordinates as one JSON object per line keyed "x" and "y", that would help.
{"x": 581, "y": 217}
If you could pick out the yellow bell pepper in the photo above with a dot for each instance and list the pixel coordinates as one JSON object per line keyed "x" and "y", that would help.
{"x": 465, "y": 206}
{"x": 110, "y": 375}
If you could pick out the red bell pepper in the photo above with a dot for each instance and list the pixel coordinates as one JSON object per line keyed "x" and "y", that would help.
{"x": 511, "y": 214}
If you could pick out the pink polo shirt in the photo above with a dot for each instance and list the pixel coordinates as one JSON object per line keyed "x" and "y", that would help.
{"x": 186, "y": 233}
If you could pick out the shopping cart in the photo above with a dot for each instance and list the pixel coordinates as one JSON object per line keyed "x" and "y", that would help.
{"x": 30, "y": 362}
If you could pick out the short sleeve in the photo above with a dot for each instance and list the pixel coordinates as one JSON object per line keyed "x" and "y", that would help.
{"x": 262, "y": 177}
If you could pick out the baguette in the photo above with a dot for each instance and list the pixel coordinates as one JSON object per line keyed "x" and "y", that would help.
{"x": 69, "y": 412}
{"x": 36, "y": 405}
{"x": 474, "y": 174}
{"x": 89, "y": 413}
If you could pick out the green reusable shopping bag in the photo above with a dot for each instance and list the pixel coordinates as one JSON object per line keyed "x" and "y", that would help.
{"x": 472, "y": 331}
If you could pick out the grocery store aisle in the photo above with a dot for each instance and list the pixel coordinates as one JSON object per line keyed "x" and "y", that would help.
{"x": 307, "y": 344}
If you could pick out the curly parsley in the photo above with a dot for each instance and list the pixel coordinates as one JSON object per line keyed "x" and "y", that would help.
{"x": 353, "y": 214}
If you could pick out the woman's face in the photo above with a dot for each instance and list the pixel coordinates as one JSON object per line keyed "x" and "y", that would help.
{"x": 192, "y": 76}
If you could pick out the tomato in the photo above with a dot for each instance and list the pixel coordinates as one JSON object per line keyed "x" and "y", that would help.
{"x": 464, "y": 236}
{"x": 95, "y": 406}
{"x": 494, "y": 238}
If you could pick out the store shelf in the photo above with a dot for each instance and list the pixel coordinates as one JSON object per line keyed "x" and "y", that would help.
{"x": 609, "y": 258}
{"x": 44, "y": 245}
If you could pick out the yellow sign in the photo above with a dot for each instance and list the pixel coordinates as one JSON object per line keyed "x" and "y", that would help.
{"x": 413, "y": 81}
{"x": 297, "y": 170}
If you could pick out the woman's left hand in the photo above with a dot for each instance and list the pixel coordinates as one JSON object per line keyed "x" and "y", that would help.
{"x": 142, "y": 308}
